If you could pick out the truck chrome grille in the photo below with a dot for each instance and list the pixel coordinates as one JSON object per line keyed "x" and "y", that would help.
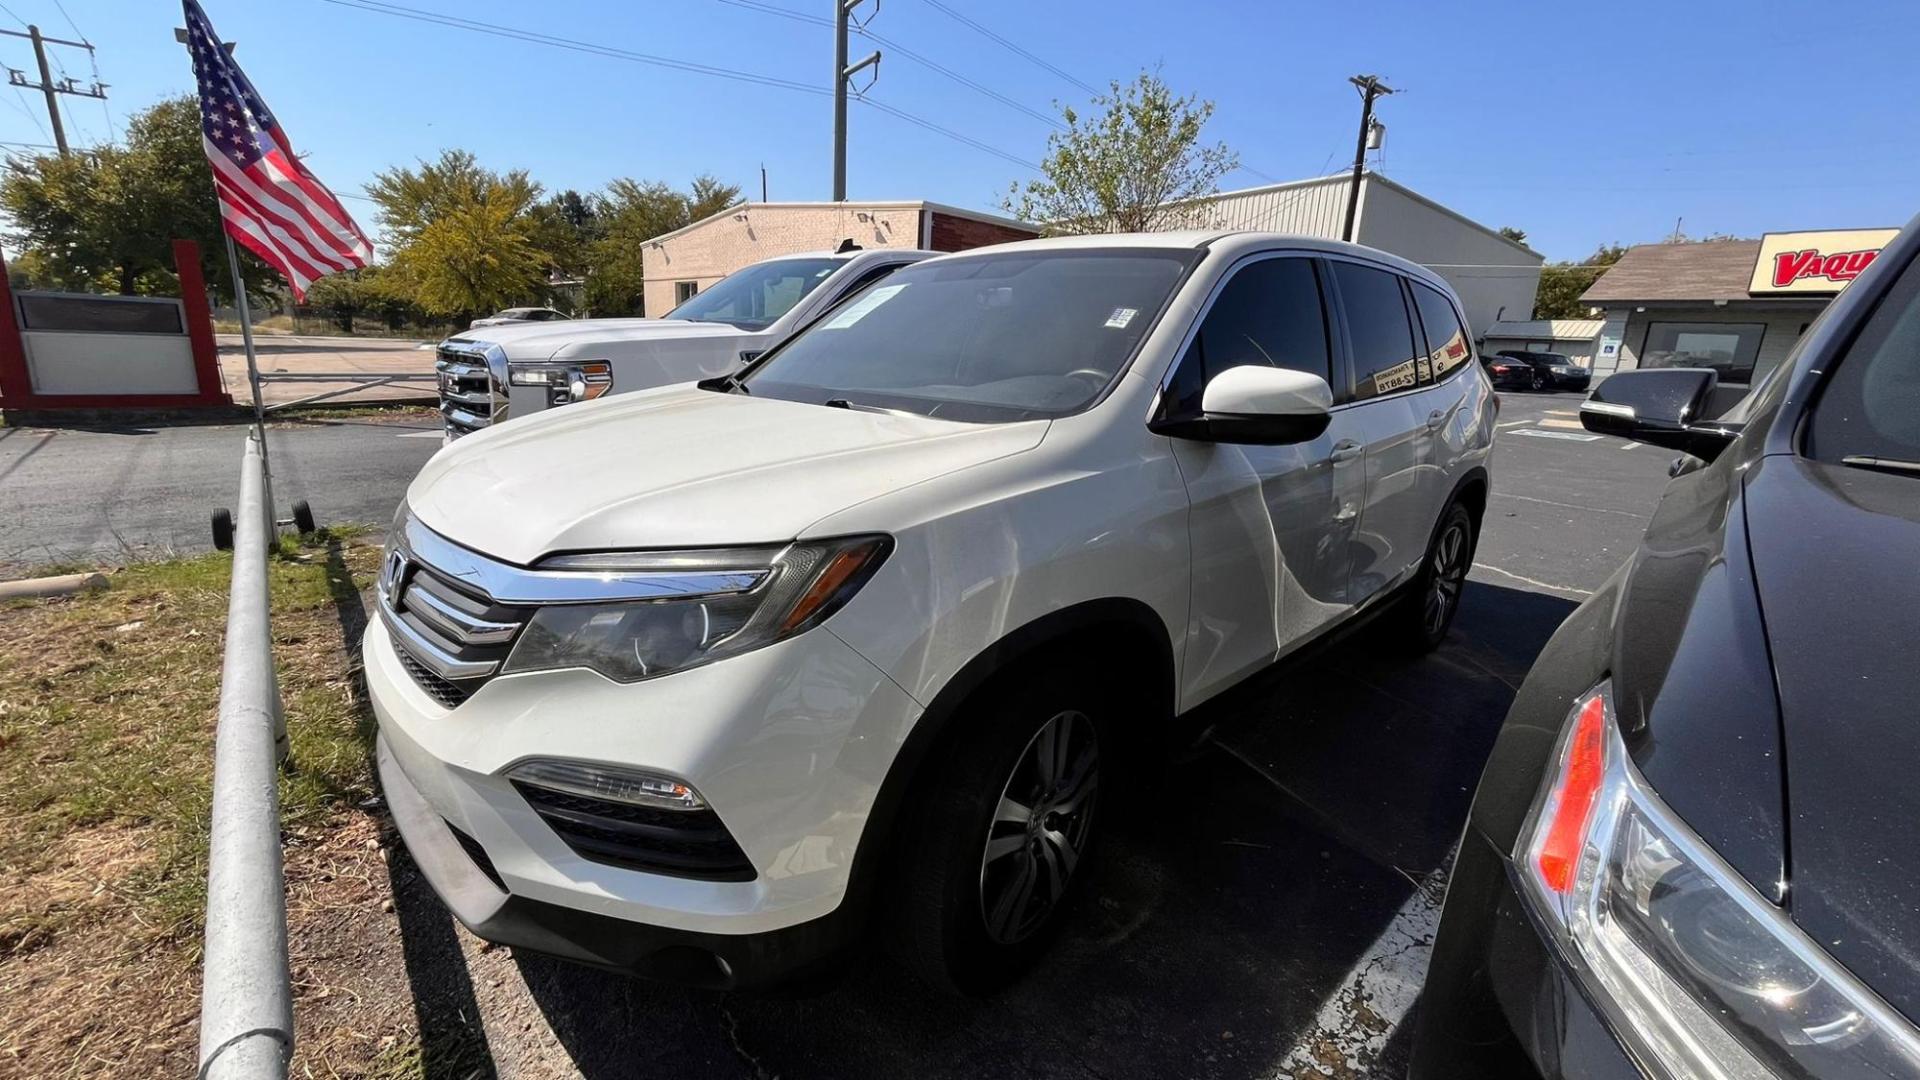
{"x": 450, "y": 637}
{"x": 469, "y": 400}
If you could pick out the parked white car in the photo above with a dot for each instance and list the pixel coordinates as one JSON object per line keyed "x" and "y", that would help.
{"x": 520, "y": 368}
{"x": 509, "y": 316}
{"x": 706, "y": 682}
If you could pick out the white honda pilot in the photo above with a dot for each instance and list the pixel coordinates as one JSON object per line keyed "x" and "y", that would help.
{"x": 706, "y": 681}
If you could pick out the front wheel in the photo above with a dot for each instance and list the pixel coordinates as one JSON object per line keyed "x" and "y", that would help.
{"x": 1537, "y": 382}
{"x": 991, "y": 865}
{"x": 1427, "y": 612}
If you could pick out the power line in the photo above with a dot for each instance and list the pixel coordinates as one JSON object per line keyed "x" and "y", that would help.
{"x": 948, "y": 132}
{"x": 799, "y": 16}
{"x": 1011, "y": 46}
{"x": 63, "y": 14}
{"x": 12, "y": 16}
{"x": 380, "y": 7}
{"x": 919, "y": 58}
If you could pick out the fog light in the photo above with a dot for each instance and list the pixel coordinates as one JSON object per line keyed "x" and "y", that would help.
{"x": 615, "y": 784}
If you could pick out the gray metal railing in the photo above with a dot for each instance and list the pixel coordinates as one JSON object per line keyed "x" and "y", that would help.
{"x": 246, "y": 1001}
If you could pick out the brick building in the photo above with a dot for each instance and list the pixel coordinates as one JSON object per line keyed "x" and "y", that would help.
{"x": 688, "y": 260}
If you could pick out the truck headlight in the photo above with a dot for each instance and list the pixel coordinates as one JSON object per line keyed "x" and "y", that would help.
{"x": 565, "y": 382}
{"x": 782, "y": 591}
{"x": 1699, "y": 973}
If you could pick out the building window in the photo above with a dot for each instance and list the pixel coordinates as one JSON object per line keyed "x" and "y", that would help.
{"x": 683, "y": 291}
{"x": 1728, "y": 348}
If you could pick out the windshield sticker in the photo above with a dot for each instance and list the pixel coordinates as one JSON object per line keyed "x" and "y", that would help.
{"x": 1121, "y": 317}
{"x": 862, "y": 307}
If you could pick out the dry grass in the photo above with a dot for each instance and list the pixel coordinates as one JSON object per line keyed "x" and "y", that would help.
{"x": 107, "y": 704}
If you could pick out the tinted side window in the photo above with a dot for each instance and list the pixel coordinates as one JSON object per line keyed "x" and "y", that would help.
{"x": 1384, "y": 357}
{"x": 1268, "y": 313}
{"x": 1447, "y": 345}
{"x": 1870, "y": 406}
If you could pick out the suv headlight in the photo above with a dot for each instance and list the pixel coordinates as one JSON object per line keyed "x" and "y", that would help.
{"x": 567, "y": 382}
{"x": 1699, "y": 973}
{"x": 755, "y": 597}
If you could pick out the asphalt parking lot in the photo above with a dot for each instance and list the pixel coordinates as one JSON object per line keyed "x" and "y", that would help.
{"x": 1269, "y": 917}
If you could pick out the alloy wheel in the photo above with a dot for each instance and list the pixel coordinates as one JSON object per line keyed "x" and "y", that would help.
{"x": 1446, "y": 577}
{"x": 1040, "y": 827}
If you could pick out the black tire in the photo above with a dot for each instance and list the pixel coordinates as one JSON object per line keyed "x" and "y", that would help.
{"x": 959, "y": 918}
{"x": 1426, "y": 613}
{"x": 223, "y": 530}
{"x": 1537, "y": 382}
{"x": 303, "y": 518}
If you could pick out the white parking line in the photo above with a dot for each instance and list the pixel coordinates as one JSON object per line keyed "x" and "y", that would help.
{"x": 1512, "y": 423}
{"x": 1630, "y": 446}
{"x": 1356, "y": 1020}
{"x": 1532, "y": 581}
{"x": 1567, "y": 435}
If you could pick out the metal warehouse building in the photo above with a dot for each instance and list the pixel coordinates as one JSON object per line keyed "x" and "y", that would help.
{"x": 1495, "y": 277}
{"x": 687, "y": 260}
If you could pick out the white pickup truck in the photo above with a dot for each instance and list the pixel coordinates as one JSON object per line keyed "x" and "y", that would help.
{"x": 490, "y": 373}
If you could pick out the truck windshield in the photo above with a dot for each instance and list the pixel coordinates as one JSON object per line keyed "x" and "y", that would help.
{"x": 981, "y": 338}
{"x": 753, "y": 298}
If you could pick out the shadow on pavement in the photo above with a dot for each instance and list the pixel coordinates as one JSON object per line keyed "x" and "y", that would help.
{"x": 1218, "y": 918}
{"x": 453, "y": 1045}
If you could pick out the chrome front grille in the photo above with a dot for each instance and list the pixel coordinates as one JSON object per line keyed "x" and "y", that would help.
{"x": 451, "y": 637}
{"x": 469, "y": 397}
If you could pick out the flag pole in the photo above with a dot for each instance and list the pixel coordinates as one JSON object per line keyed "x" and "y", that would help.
{"x": 253, "y": 374}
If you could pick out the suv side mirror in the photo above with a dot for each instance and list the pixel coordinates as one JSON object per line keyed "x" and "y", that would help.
{"x": 1256, "y": 405}
{"x": 1661, "y": 406}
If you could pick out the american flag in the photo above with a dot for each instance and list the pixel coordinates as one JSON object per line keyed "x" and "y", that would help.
{"x": 269, "y": 202}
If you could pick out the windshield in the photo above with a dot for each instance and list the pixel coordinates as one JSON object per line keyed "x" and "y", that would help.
{"x": 753, "y": 298}
{"x": 1869, "y": 411}
{"x": 982, "y": 338}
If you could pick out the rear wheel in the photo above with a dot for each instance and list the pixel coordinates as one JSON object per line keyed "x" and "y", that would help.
{"x": 1426, "y": 614}
{"x": 992, "y": 864}
{"x": 1536, "y": 382}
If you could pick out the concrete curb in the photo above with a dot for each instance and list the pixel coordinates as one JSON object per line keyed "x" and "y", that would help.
{"x": 62, "y": 585}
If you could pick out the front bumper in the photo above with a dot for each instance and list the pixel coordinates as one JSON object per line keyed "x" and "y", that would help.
{"x": 1498, "y": 1001}
{"x": 789, "y": 745}
{"x": 720, "y": 961}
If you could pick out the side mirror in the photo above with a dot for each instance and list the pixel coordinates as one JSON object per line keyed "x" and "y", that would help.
{"x": 1660, "y": 406}
{"x": 1256, "y": 405}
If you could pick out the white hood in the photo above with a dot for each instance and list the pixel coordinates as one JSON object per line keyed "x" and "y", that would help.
{"x": 682, "y": 467}
{"x": 578, "y": 337}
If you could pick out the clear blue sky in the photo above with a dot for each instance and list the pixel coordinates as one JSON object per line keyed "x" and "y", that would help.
{"x": 1580, "y": 123}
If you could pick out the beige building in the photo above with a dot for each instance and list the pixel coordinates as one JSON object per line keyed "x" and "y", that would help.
{"x": 1494, "y": 277}
{"x": 688, "y": 260}
{"x": 1577, "y": 339}
{"x": 1737, "y": 306}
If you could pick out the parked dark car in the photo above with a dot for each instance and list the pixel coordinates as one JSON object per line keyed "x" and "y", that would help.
{"x": 1514, "y": 369}
{"x": 1693, "y": 850}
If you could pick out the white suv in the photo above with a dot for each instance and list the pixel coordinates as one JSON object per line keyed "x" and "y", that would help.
{"x": 700, "y": 682}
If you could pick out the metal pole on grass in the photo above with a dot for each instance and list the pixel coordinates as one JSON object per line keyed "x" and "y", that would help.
{"x": 246, "y": 1001}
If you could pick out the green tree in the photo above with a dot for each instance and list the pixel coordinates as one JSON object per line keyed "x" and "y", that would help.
{"x": 1562, "y": 283}
{"x": 630, "y": 213}
{"x": 1518, "y": 236}
{"x": 1136, "y": 164}
{"x": 104, "y": 219}
{"x": 462, "y": 237}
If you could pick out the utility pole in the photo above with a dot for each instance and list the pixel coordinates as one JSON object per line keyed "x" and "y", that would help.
{"x": 1370, "y": 88}
{"x": 842, "y": 76}
{"x": 47, "y": 86}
